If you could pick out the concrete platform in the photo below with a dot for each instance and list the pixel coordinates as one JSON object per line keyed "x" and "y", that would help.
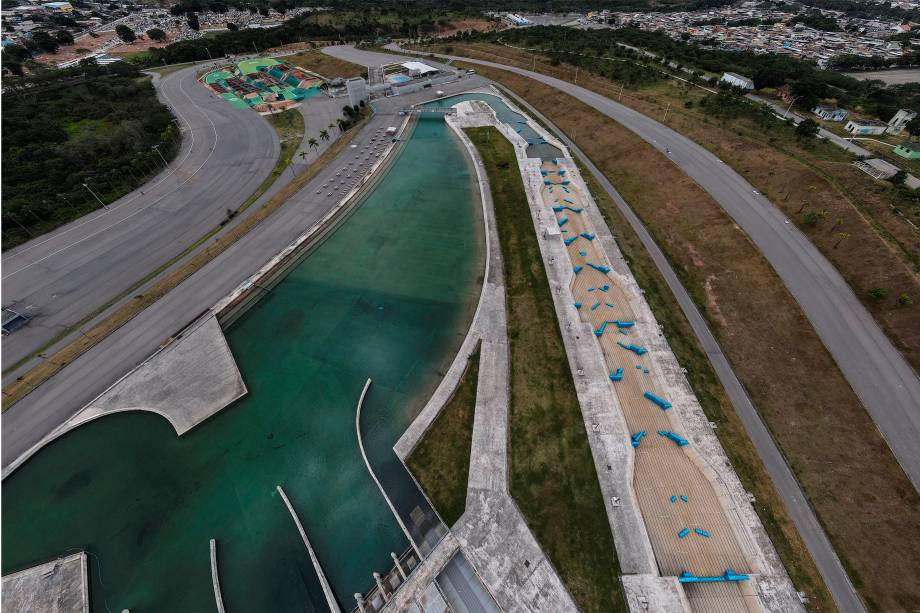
{"x": 187, "y": 381}
{"x": 58, "y": 586}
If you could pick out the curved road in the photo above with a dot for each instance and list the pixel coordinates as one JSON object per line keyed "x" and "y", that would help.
{"x": 61, "y": 277}
{"x": 881, "y": 377}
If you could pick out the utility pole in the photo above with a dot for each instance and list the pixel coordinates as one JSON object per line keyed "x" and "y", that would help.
{"x": 209, "y": 54}
{"x": 622, "y": 85}
{"x": 788, "y": 108}
{"x": 157, "y": 149}
{"x": 534, "y": 68}
{"x": 666, "y": 112}
{"x": 98, "y": 199}
{"x": 576, "y": 75}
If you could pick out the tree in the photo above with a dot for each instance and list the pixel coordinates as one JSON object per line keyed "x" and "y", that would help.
{"x": 156, "y": 34}
{"x": 64, "y": 37}
{"x": 913, "y": 126}
{"x": 878, "y": 292}
{"x": 312, "y": 143}
{"x": 232, "y": 26}
{"x": 125, "y": 33}
{"x": 807, "y": 128}
{"x": 193, "y": 23}
{"x": 905, "y": 300}
{"x": 323, "y": 134}
{"x": 45, "y": 42}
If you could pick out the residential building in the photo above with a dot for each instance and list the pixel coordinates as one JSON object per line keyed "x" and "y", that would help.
{"x": 830, "y": 113}
{"x": 901, "y": 118}
{"x": 736, "y": 80}
{"x": 865, "y": 126}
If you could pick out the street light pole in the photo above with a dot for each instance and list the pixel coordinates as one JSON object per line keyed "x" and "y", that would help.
{"x": 157, "y": 149}
{"x": 98, "y": 199}
{"x": 790, "y": 106}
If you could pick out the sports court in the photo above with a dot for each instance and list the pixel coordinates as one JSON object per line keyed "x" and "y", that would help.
{"x": 263, "y": 84}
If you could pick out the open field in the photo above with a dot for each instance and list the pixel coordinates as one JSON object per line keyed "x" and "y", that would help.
{"x": 441, "y": 460}
{"x": 858, "y": 229}
{"x": 325, "y": 65}
{"x": 862, "y": 497}
{"x": 552, "y": 471}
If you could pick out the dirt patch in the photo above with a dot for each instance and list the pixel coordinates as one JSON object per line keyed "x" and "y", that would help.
{"x": 862, "y": 497}
{"x": 325, "y": 65}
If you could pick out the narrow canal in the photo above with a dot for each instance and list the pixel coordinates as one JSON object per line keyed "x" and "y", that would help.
{"x": 388, "y": 296}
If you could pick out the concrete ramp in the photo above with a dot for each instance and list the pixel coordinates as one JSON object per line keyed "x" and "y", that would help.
{"x": 58, "y": 586}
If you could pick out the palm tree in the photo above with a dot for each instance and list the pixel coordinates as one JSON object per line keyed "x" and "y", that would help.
{"x": 312, "y": 143}
{"x": 323, "y": 134}
{"x": 341, "y": 124}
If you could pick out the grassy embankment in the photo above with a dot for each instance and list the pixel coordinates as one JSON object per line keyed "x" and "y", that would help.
{"x": 862, "y": 497}
{"x": 441, "y": 460}
{"x": 39, "y": 374}
{"x": 552, "y": 475}
{"x": 325, "y": 65}
{"x": 855, "y": 221}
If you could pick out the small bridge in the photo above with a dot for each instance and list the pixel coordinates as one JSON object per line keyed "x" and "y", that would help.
{"x": 443, "y": 110}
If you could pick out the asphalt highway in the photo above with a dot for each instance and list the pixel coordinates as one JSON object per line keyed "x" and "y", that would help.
{"x": 61, "y": 277}
{"x": 29, "y": 420}
{"x": 878, "y": 373}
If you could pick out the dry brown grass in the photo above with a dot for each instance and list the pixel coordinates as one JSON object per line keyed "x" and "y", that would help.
{"x": 14, "y": 392}
{"x": 860, "y": 234}
{"x": 868, "y": 507}
{"x": 325, "y": 65}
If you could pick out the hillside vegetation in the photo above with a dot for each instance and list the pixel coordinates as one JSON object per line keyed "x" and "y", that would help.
{"x": 89, "y": 125}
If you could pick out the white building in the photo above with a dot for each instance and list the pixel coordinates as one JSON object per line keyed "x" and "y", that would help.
{"x": 736, "y": 80}
{"x": 865, "y": 126}
{"x": 418, "y": 69}
{"x": 901, "y": 118}
{"x": 357, "y": 90}
{"x": 830, "y": 113}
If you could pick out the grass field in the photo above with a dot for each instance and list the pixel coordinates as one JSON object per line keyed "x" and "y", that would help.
{"x": 859, "y": 228}
{"x": 325, "y": 65}
{"x": 552, "y": 473}
{"x": 441, "y": 460}
{"x": 862, "y": 497}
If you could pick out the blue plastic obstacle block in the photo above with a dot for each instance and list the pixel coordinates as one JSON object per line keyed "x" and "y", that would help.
{"x": 566, "y": 182}
{"x": 566, "y": 189}
{"x": 730, "y": 575}
{"x": 518, "y": 130}
{"x": 604, "y": 287}
{"x": 624, "y": 324}
{"x": 547, "y": 182}
{"x": 595, "y": 305}
{"x": 684, "y": 498}
{"x": 668, "y": 434}
{"x": 563, "y": 221}
{"x": 673, "y": 498}
{"x": 542, "y": 172}
{"x": 569, "y": 241}
{"x": 701, "y": 532}
{"x": 598, "y": 267}
{"x": 603, "y": 326}
{"x": 555, "y": 162}
{"x": 637, "y": 437}
{"x": 664, "y": 404}
{"x": 577, "y": 269}
{"x": 591, "y": 289}
{"x": 561, "y": 171}
{"x": 645, "y": 370}
{"x": 617, "y": 376}
{"x": 623, "y": 332}
{"x": 582, "y": 253}
{"x": 590, "y": 237}
{"x": 567, "y": 200}
{"x": 524, "y": 122}
{"x": 683, "y": 533}
{"x": 609, "y": 305}
{"x": 577, "y": 305}
{"x": 634, "y": 348}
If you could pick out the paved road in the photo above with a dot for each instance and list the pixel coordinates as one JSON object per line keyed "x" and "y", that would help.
{"x": 802, "y": 515}
{"x": 26, "y": 422}
{"x": 881, "y": 377}
{"x": 61, "y": 277}
{"x": 890, "y": 77}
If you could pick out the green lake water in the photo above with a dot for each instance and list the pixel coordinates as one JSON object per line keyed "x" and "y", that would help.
{"x": 388, "y": 296}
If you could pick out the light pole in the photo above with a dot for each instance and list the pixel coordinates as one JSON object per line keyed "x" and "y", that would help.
{"x": 157, "y": 149}
{"x": 790, "y": 106}
{"x": 98, "y": 199}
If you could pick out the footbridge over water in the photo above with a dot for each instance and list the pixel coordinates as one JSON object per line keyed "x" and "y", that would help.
{"x": 443, "y": 110}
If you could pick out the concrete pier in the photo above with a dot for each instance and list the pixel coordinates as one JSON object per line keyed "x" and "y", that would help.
{"x": 215, "y": 578}
{"x": 327, "y": 590}
{"x": 58, "y": 586}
